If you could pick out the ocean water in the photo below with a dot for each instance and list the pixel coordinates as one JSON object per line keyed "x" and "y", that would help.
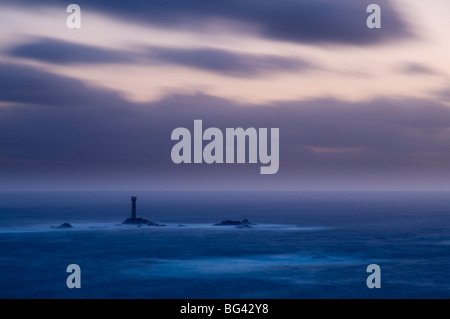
{"x": 304, "y": 245}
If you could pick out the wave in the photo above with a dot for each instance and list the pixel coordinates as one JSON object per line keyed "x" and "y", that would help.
{"x": 244, "y": 265}
{"x": 167, "y": 226}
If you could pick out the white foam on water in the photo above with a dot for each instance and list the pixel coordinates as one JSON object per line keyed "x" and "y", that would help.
{"x": 189, "y": 268}
{"x": 181, "y": 227}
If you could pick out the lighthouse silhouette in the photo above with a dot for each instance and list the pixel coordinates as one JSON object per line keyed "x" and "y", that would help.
{"x": 134, "y": 220}
{"x": 133, "y": 207}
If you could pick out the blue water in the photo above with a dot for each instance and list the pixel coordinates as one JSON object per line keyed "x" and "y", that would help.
{"x": 305, "y": 245}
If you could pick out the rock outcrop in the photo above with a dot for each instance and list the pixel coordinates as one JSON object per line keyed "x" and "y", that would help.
{"x": 245, "y": 223}
{"x": 245, "y": 226}
{"x": 63, "y": 226}
{"x": 136, "y": 221}
{"x": 155, "y": 224}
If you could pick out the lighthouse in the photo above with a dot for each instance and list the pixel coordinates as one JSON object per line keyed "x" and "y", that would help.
{"x": 134, "y": 220}
{"x": 133, "y": 207}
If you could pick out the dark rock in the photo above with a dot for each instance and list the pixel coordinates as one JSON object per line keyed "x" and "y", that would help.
{"x": 234, "y": 223}
{"x": 320, "y": 257}
{"x": 181, "y": 225}
{"x": 155, "y": 224}
{"x": 135, "y": 221}
{"x": 244, "y": 226}
{"x": 63, "y": 226}
{"x": 228, "y": 223}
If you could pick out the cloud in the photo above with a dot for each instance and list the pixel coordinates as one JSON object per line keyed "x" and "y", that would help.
{"x": 63, "y": 52}
{"x": 218, "y": 61}
{"x": 416, "y": 68}
{"x": 64, "y": 131}
{"x": 443, "y": 94}
{"x": 226, "y": 62}
{"x": 318, "y": 149}
{"x": 302, "y": 21}
{"x": 21, "y": 84}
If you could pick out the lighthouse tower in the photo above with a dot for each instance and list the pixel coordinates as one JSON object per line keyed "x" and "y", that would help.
{"x": 133, "y": 207}
{"x": 134, "y": 220}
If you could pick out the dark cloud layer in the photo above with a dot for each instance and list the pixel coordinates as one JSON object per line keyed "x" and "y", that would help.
{"x": 62, "y": 52}
{"x": 20, "y": 84}
{"x": 318, "y": 21}
{"x": 212, "y": 60}
{"x": 66, "y": 134}
{"x": 228, "y": 63}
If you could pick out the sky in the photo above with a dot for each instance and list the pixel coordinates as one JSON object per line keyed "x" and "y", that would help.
{"x": 93, "y": 108}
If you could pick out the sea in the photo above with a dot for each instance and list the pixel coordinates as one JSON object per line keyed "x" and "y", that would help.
{"x": 301, "y": 245}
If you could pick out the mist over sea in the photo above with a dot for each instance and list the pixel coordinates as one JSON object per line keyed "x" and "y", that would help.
{"x": 304, "y": 244}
